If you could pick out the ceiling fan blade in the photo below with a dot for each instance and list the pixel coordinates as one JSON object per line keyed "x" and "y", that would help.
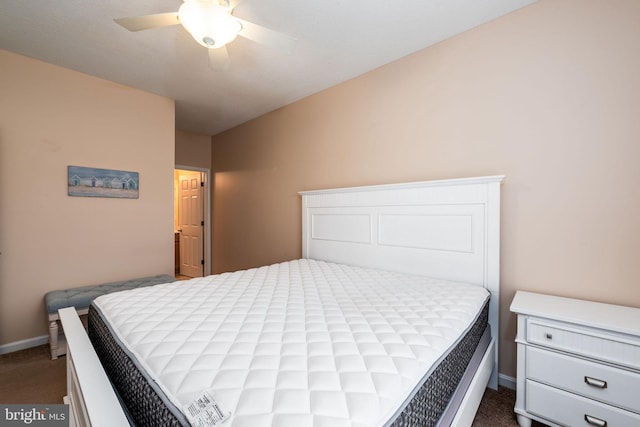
{"x": 137, "y": 23}
{"x": 267, "y": 37}
{"x": 219, "y": 58}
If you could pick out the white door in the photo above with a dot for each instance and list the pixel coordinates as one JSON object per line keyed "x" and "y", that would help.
{"x": 190, "y": 213}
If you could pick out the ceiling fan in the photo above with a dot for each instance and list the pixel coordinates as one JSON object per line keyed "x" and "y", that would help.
{"x": 211, "y": 24}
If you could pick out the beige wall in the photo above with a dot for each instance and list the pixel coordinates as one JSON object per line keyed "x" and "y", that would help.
{"x": 548, "y": 95}
{"x": 51, "y": 117}
{"x": 193, "y": 149}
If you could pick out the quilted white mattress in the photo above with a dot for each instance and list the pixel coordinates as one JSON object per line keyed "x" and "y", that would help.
{"x": 296, "y": 344}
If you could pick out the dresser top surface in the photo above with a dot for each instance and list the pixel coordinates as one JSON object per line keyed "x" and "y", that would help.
{"x": 587, "y": 313}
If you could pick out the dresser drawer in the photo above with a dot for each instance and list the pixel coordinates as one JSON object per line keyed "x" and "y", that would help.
{"x": 609, "y": 347}
{"x": 604, "y": 383}
{"x": 572, "y": 410}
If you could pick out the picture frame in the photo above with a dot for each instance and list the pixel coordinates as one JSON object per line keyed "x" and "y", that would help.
{"x": 95, "y": 182}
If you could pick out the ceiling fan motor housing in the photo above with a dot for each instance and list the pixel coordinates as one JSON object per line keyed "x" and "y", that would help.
{"x": 209, "y": 23}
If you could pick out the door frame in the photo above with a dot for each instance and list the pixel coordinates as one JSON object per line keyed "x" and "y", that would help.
{"x": 207, "y": 214}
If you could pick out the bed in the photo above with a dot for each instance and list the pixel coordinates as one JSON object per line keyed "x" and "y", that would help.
{"x": 372, "y": 259}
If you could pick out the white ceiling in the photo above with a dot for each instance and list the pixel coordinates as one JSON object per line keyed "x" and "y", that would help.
{"x": 337, "y": 40}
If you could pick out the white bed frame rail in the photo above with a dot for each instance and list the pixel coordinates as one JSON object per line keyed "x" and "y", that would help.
{"x": 445, "y": 229}
{"x": 90, "y": 396}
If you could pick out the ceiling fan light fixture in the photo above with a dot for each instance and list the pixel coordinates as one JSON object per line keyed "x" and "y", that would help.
{"x": 209, "y": 23}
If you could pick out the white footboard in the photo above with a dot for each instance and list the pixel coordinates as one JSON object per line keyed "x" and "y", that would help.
{"x": 90, "y": 395}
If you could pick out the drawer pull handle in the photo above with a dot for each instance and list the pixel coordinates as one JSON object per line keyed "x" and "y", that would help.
{"x": 548, "y": 336}
{"x": 594, "y": 382}
{"x": 595, "y": 421}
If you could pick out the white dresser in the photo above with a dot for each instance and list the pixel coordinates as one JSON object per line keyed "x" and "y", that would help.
{"x": 578, "y": 362}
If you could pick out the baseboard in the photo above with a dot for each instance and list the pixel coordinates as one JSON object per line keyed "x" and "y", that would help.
{"x": 507, "y": 381}
{"x": 24, "y": 344}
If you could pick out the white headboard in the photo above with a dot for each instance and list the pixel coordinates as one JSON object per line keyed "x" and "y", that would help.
{"x": 448, "y": 229}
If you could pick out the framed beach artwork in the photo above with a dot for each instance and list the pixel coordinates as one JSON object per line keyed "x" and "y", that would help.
{"x": 94, "y": 182}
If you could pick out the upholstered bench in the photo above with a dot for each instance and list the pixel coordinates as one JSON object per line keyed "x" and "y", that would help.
{"x": 81, "y": 298}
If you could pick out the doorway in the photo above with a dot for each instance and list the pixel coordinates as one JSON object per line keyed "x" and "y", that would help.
{"x": 191, "y": 222}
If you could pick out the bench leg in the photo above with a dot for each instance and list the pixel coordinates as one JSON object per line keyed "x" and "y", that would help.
{"x": 53, "y": 339}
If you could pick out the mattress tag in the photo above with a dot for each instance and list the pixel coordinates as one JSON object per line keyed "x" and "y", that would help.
{"x": 204, "y": 411}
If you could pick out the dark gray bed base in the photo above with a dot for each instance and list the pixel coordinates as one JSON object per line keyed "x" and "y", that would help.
{"x": 146, "y": 404}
